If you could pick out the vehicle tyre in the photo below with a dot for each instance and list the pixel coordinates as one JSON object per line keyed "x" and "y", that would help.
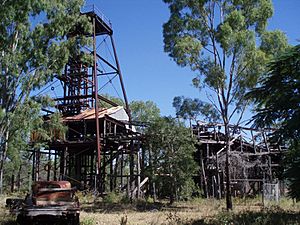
{"x": 76, "y": 219}
{"x": 73, "y": 219}
{"x": 23, "y": 220}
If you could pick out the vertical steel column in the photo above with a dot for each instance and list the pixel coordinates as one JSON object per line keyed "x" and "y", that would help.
{"x": 55, "y": 168}
{"x": 121, "y": 167}
{"x": 37, "y": 170}
{"x": 138, "y": 174}
{"x": 61, "y": 164}
{"x": 65, "y": 84}
{"x": 96, "y": 104}
{"x": 111, "y": 180}
{"x": 65, "y": 169}
{"x": 33, "y": 165}
{"x": 49, "y": 165}
{"x": 121, "y": 78}
{"x": 131, "y": 169}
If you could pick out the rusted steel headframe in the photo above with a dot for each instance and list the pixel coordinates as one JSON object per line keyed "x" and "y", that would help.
{"x": 97, "y": 146}
{"x": 93, "y": 137}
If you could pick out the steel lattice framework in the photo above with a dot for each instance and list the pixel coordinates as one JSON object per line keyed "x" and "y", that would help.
{"x": 100, "y": 145}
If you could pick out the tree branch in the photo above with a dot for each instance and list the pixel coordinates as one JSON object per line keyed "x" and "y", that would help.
{"x": 210, "y": 99}
{"x": 231, "y": 73}
{"x": 241, "y": 116}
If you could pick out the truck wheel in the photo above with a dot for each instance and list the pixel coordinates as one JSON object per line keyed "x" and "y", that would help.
{"x": 23, "y": 220}
{"x": 76, "y": 219}
{"x": 73, "y": 219}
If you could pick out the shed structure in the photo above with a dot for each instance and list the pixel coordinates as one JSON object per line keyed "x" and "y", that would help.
{"x": 253, "y": 159}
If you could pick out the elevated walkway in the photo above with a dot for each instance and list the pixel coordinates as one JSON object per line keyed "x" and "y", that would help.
{"x": 103, "y": 25}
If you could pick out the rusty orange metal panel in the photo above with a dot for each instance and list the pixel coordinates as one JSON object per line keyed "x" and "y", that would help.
{"x": 51, "y": 192}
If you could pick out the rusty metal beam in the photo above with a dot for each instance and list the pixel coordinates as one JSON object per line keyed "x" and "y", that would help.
{"x": 96, "y": 104}
{"x": 120, "y": 77}
{"x": 87, "y": 96}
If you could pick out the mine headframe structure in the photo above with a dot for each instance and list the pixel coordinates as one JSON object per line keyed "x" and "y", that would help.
{"x": 101, "y": 145}
{"x": 254, "y": 158}
{"x": 80, "y": 81}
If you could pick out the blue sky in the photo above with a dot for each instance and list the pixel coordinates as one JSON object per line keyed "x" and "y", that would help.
{"x": 149, "y": 74}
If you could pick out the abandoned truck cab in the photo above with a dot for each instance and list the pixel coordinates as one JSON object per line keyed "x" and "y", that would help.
{"x": 50, "y": 202}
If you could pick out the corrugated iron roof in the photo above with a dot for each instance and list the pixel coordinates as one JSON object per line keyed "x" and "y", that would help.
{"x": 90, "y": 114}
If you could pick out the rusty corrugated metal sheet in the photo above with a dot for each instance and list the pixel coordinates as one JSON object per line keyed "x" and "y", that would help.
{"x": 90, "y": 114}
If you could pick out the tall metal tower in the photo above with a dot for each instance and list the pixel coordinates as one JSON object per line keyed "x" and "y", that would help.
{"x": 98, "y": 139}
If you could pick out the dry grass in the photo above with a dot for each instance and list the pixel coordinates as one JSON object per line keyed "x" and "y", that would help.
{"x": 179, "y": 213}
{"x": 164, "y": 215}
{"x": 197, "y": 211}
{"x": 145, "y": 213}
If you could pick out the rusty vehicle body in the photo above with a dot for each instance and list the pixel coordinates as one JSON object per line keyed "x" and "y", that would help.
{"x": 52, "y": 202}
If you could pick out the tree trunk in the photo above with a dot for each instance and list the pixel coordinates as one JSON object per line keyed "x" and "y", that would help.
{"x": 227, "y": 172}
{"x": 12, "y": 185}
{"x": 3, "y": 157}
{"x": 1, "y": 173}
{"x": 172, "y": 192}
{"x": 151, "y": 178}
{"x": 154, "y": 192}
{"x": 19, "y": 178}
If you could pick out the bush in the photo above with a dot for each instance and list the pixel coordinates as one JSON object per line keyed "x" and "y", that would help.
{"x": 87, "y": 221}
{"x": 112, "y": 197}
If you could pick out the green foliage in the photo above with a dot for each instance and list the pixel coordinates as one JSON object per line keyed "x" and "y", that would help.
{"x": 226, "y": 44}
{"x": 87, "y": 221}
{"x": 188, "y": 108}
{"x": 278, "y": 97}
{"x": 273, "y": 40}
{"x": 277, "y": 105}
{"x": 218, "y": 40}
{"x": 112, "y": 197}
{"x": 144, "y": 111}
{"x": 141, "y": 112}
{"x": 292, "y": 168}
{"x": 116, "y": 100}
{"x": 172, "y": 163}
{"x": 33, "y": 36}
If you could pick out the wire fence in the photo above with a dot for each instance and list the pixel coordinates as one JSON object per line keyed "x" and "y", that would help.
{"x": 271, "y": 191}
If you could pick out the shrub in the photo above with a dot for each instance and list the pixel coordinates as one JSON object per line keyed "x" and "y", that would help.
{"x": 87, "y": 221}
{"x": 112, "y": 197}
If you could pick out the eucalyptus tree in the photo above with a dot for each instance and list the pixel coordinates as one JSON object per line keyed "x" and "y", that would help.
{"x": 192, "y": 109}
{"x": 144, "y": 112}
{"x": 226, "y": 44}
{"x": 172, "y": 163}
{"x": 34, "y": 47}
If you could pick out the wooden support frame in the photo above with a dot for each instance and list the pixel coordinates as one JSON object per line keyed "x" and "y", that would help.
{"x": 249, "y": 145}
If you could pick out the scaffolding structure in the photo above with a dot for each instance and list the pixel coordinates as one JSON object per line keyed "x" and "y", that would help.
{"x": 100, "y": 148}
{"x": 253, "y": 159}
